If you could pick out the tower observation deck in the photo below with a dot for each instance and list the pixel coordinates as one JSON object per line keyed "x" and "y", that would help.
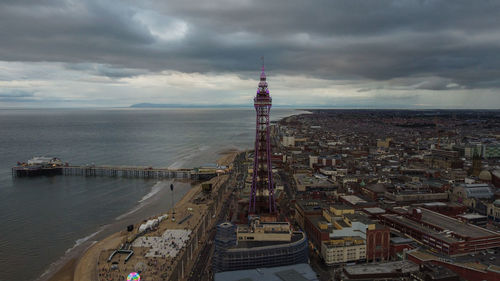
{"x": 262, "y": 192}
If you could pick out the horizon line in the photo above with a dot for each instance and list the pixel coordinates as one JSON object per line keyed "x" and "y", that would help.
{"x": 298, "y": 107}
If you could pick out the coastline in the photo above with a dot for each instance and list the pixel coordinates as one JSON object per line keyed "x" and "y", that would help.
{"x": 83, "y": 267}
{"x": 66, "y": 272}
{"x": 61, "y": 227}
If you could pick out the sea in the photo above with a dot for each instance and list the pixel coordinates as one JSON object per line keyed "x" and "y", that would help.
{"x": 46, "y": 221}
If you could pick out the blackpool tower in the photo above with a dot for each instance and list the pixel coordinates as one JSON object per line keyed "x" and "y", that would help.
{"x": 262, "y": 192}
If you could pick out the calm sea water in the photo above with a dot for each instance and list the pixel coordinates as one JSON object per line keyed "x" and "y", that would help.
{"x": 43, "y": 218}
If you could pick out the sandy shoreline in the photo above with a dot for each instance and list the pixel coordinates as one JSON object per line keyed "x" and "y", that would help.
{"x": 77, "y": 268}
{"x": 66, "y": 272}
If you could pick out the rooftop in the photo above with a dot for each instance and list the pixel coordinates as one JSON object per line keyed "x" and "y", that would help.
{"x": 472, "y": 216}
{"x": 341, "y": 207}
{"x": 353, "y": 199}
{"x": 431, "y": 204}
{"x": 374, "y": 210}
{"x": 460, "y": 228}
{"x": 482, "y": 191}
{"x": 315, "y": 220}
{"x": 313, "y": 181}
{"x": 296, "y": 236}
{"x": 437, "y": 271}
{"x": 359, "y": 217}
{"x": 482, "y": 260}
{"x": 332, "y": 243}
{"x": 401, "y": 240}
{"x": 445, "y": 223}
{"x": 384, "y": 268}
{"x": 308, "y": 205}
{"x": 421, "y": 228}
{"x": 296, "y": 272}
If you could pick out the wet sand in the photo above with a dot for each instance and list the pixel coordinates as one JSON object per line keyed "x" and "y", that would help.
{"x": 86, "y": 268}
{"x": 66, "y": 272}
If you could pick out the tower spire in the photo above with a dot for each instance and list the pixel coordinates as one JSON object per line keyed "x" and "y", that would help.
{"x": 262, "y": 74}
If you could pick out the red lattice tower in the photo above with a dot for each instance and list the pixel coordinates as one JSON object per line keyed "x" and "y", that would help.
{"x": 262, "y": 182}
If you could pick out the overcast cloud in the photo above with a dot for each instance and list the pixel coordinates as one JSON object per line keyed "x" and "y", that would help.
{"x": 386, "y": 54}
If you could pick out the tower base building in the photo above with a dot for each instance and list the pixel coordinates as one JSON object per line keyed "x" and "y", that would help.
{"x": 257, "y": 245}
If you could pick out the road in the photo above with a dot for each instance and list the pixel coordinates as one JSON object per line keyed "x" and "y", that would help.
{"x": 202, "y": 269}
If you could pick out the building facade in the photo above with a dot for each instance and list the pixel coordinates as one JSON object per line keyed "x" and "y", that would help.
{"x": 378, "y": 244}
{"x": 259, "y": 244}
{"x": 344, "y": 250}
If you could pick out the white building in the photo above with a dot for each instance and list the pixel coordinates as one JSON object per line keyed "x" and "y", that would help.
{"x": 288, "y": 141}
{"x": 343, "y": 250}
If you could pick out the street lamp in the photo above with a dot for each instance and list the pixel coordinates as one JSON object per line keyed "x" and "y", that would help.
{"x": 173, "y": 210}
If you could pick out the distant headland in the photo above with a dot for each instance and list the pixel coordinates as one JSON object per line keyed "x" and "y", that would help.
{"x": 173, "y": 105}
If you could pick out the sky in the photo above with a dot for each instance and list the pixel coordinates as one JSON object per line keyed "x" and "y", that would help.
{"x": 318, "y": 53}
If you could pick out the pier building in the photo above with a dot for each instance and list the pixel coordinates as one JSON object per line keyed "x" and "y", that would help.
{"x": 38, "y": 166}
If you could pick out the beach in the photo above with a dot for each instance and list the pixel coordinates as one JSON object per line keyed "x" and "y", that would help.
{"x": 83, "y": 266}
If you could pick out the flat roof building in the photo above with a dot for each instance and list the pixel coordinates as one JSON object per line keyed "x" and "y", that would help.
{"x": 306, "y": 182}
{"x": 259, "y": 244}
{"x": 306, "y": 208}
{"x": 342, "y": 235}
{"x": 296, "y": 272}
{"x": 432, "y": 272}
{"x": 469, "y": 267}
{"x": 373, "y": 271}
{"x": 445, "y": 234}
{"x": 343, "y": 250}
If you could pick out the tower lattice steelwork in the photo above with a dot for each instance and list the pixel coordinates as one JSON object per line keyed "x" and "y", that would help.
{"x": 262, "y": 170}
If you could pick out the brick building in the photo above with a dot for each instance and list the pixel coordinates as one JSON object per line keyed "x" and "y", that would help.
{"x": 442, "y": 233}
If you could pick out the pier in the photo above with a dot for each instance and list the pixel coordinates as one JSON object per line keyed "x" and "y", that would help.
{"x": 129, "y": 172}
{"x": 117, "y": 171}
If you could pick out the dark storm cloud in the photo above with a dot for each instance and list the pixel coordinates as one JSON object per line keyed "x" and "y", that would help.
{"x": 16, "y": 96}
{"x": 105, "y": 70}
{"x": 455, "y": 41}
{"x": 69, "y": 32}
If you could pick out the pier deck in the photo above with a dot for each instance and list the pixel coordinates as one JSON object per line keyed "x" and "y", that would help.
{"x": 120, "y": 171}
